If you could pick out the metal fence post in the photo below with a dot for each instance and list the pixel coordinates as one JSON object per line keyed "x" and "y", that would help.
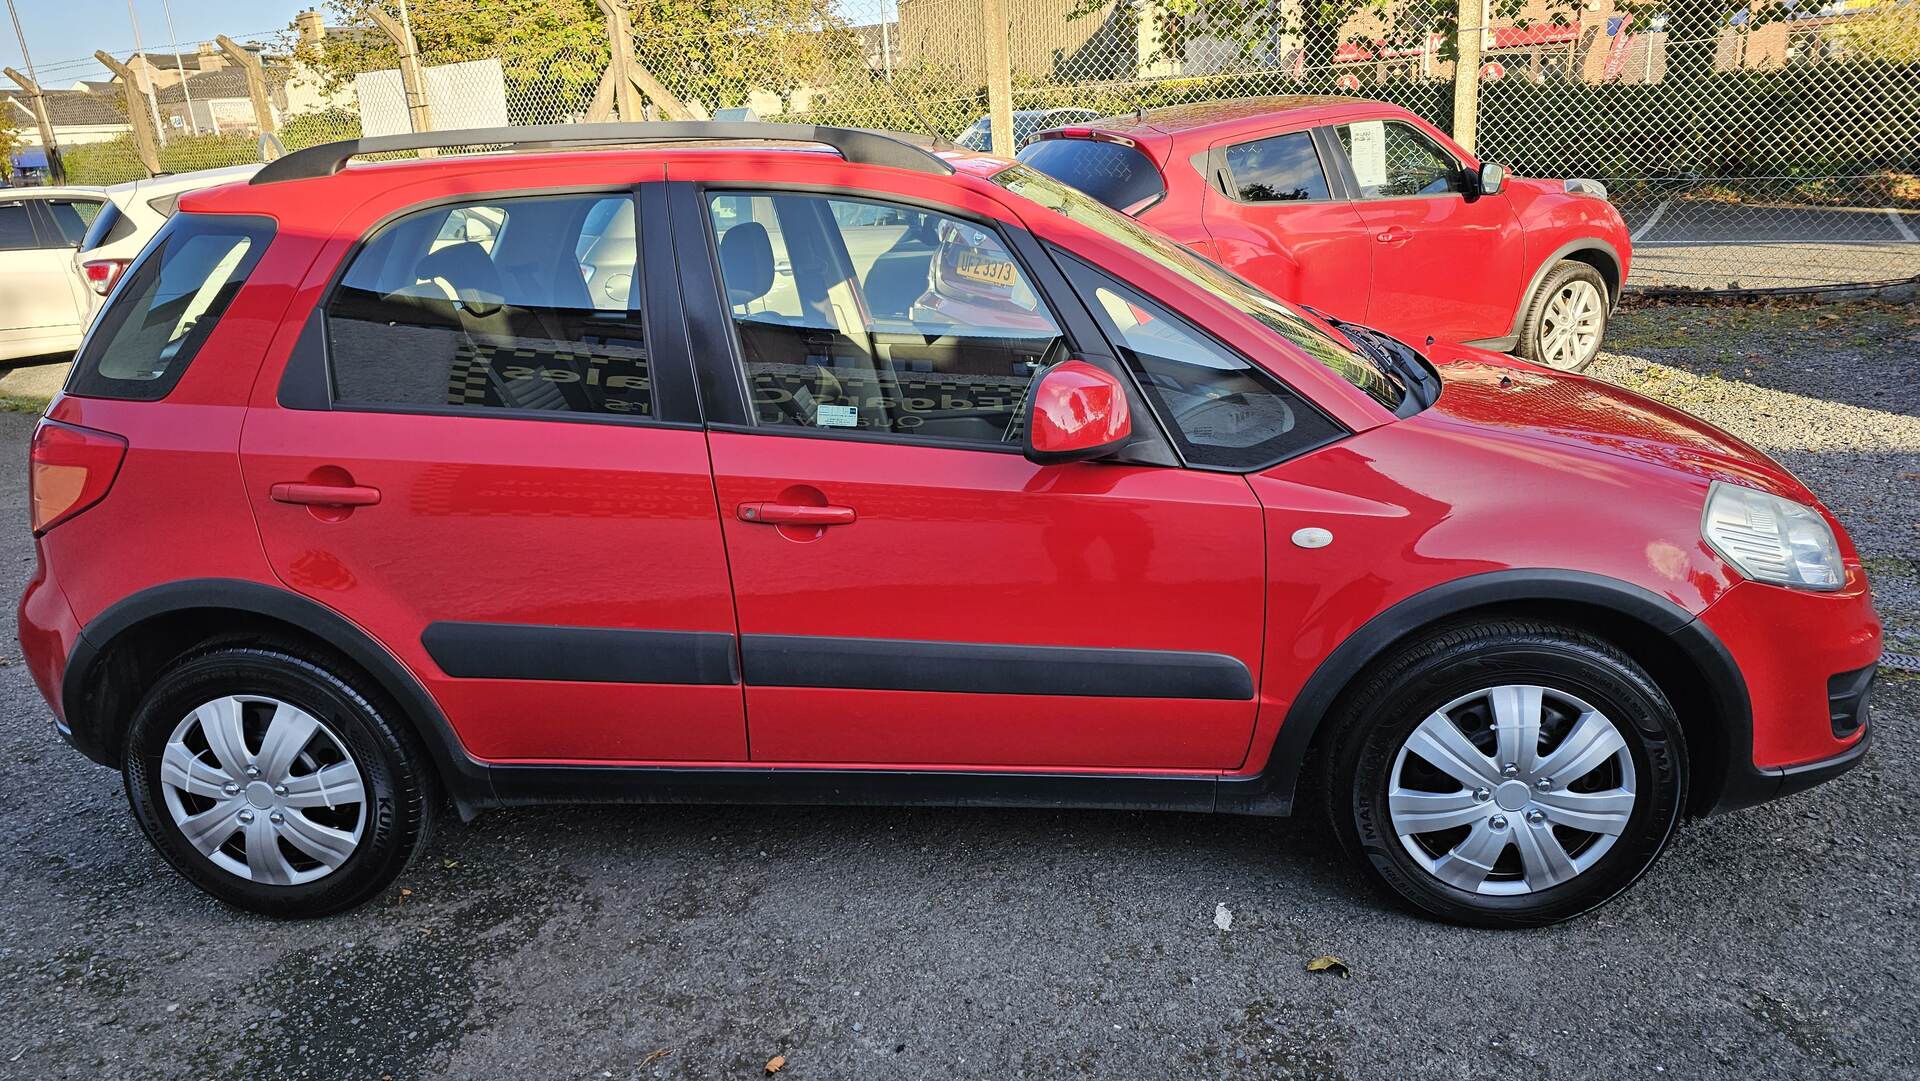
{"x": 56, "y": 170}
{"x": 1466, "y": 73}
{"x": 993, "y": 25}
{"x": 419, "y": 115}
{"x": 256, "y": 75}
{"x": 145, "y": 142}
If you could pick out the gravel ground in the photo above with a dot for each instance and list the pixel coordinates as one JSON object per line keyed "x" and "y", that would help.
{"x": 702, "y": 942}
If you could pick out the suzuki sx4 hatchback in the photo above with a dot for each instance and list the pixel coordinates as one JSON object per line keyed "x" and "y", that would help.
{"x": 751, "y": 471}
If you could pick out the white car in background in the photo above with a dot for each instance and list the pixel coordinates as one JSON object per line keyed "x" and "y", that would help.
{"x": 43, "y": 310}
{"x": 134, "y": 212}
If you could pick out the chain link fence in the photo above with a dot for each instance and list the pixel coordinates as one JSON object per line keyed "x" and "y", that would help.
{"x": 1750, "y": 144}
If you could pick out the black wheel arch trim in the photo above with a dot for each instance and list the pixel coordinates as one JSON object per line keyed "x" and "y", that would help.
{"x": 1585, "y": 243}
{"x": 467, "y": 780}
{"x": 1272, "y": 790}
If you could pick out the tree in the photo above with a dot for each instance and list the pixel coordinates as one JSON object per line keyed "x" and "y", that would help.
{"x": 553, "y": 52}
{"x": 10, "y": 138}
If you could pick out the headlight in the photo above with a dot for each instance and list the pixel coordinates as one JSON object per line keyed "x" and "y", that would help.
{"x": 1770, "y": 539}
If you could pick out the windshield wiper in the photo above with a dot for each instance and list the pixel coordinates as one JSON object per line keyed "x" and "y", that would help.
{"x": 1410, "y": 369}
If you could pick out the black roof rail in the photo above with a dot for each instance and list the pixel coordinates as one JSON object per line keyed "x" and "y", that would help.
{"x": 854, "y": 144}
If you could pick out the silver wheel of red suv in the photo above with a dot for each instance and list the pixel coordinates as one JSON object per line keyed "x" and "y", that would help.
{"x": 271, "y": 780}
{"x": 263, "y": 790}
{"x": 1566, "y": 318}
{"x": 1506, "y": 772}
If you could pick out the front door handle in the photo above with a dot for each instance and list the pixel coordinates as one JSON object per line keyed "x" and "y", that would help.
{"x": 794, "y": 514}
{"x": 1394, "y": 234}
{"x": 325, "y": 495}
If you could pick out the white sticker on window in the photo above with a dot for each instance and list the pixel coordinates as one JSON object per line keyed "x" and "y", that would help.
{"x": 1368, "y": 150}
{"x": 837, "y": 416}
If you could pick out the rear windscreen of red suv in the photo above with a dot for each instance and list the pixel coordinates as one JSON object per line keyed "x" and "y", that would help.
{"x": 168, "y": 305}
{"x": 1116, "y": 174}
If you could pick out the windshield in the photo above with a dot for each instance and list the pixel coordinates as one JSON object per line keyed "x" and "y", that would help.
{"x": 1352, "y": 366}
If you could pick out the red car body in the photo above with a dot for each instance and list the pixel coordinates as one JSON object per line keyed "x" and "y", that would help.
{"x": 1457, "y": 265}
{"x": 488, "y": 570}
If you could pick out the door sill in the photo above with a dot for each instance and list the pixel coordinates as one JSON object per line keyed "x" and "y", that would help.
{"x": 515, "y": 786}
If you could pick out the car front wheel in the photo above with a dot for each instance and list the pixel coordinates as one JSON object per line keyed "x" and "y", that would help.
{"x": 1507, "y": 773}
{"x": 1567, "y": 318}
{"x": 271, "y": 782}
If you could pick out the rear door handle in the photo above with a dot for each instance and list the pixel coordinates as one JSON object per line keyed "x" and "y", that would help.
{"x": 794, "y": 514}
{"x": 325, "y": 495}
{"x": 1393, "y": 234}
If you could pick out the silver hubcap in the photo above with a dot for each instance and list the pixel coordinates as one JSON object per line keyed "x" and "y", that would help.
{"x": 1511, "y": 789}
{"x": 263, "y": 790}
{"x": 1571, "y": 327}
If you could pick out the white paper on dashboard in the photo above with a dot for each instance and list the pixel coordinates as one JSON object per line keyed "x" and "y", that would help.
{"x": 1369, "y": 152}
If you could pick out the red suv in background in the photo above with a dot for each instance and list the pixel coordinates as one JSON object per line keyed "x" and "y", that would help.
{"x": 748, "y": 473}
{"x": 1366, "y": 212}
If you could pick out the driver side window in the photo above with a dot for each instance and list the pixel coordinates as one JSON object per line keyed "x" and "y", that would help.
{"x": 856, "y": 315}
{"x": 1393, "y": 160}
{"x": 1226, "y": 412}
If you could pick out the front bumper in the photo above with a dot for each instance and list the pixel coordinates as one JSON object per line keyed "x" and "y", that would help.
{"x": 1806, "y": 660}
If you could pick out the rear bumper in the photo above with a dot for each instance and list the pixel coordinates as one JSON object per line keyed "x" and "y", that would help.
{"x": 48, "y": 634}
{"x": 1807, "y": 662}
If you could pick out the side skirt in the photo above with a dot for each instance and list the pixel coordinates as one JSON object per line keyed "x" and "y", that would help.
{"x": 525, "y": 785}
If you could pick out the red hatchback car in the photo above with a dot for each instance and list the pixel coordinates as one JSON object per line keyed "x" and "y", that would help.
{"x": 756, "y": 473}
{"x": 1363, "y": 210}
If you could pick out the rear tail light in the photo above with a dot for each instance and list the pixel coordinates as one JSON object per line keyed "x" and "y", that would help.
{"x": 102, "y": 273}
{"x": 72, "y": 469}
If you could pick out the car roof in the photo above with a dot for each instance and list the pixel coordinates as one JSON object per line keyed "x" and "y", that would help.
{"x": 168, "y": 183}
{"x": 363, "y": 179}
{"x": 65, "y": 192}
{"x": 1229, "y": 116}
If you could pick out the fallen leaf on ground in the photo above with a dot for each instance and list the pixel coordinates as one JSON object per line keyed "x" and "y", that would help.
{"x": 656, "y": 1056}
{"x": 1328, "y": 963}
{"x": 776, "y": 1063}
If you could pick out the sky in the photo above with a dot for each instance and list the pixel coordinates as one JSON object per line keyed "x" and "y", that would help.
{"x": 62, "y": 34}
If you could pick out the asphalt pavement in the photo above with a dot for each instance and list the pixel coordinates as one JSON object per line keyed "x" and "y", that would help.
{"x": 874, "y": 943}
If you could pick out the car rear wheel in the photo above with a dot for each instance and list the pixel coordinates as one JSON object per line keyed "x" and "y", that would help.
{"x": 1507, "y": 773}
{"x": 272, "y": 783}
{"x": 1567, "y": 318}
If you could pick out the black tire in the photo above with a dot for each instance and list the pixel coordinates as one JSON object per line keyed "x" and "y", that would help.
{"x": 1563, "y": 274}
{"x": 398, "y": 810}
{"x": 1416, "y": 681}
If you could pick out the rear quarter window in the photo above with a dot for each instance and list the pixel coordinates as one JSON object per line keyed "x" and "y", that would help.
{"x": 1119, "y": 176}
{"x": 109, "y": 227}
{"x": 168, "y": 306}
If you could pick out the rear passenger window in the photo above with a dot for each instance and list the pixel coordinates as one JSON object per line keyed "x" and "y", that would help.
{"x": 16, "y": 227}
{"x": 168, "y": 306}
{"x": 1284, "y": 168}
{"x": 512, "y": 304}
{"x": 870, "y": 317}
{"x": 72, "y": 216}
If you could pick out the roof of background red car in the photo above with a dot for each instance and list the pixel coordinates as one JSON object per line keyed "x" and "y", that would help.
{"x": 1227, "y": 117}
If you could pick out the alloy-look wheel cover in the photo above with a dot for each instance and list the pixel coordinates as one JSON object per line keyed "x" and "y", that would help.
{"x": 1557, "y": 787}
{"x": 284, "y": 807}
{"x": 1570, "y": 328}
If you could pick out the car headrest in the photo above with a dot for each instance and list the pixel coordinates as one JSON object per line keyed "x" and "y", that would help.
{"x": 746, "y": 262}
{"x": 469, "y": 272}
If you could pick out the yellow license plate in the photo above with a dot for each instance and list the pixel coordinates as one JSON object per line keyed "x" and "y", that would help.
{"x": 982, "y": 269}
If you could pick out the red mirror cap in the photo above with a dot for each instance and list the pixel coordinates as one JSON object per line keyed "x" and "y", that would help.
{"x": 1079, "y": 412}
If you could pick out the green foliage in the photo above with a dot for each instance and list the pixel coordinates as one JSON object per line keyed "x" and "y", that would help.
{"x": 324, "y": 126}
{"x": 111, "y": 162}
{"x": 10, "y": 140}
{"x": 184, "y": 154}
{"x": 553, "y": 52}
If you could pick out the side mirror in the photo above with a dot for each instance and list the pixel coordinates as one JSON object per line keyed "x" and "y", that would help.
{"x": 1079, "y": 412}
{"x": 1492, "y": 178}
